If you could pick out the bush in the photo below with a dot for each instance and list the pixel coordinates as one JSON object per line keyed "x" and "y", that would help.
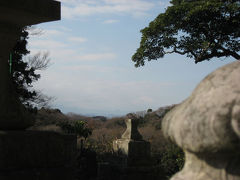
{"x": 170, "y": 159}
{"x": 75, "y": 127}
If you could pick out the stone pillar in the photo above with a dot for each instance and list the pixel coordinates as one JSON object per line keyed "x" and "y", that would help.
{"x": 131, "y": 145}
{"x": 14, "y": 15}
{"x": 207, "y": 127}
{"x": 11, "y": 112}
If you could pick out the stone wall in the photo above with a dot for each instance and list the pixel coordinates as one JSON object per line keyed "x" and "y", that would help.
{"x": 36, "y": 154}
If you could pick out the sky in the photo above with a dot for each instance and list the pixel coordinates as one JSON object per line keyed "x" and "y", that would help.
{"x": 91, "y": 71}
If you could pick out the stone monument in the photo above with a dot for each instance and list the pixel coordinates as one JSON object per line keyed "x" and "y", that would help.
{"x": 26, "y": 154}
{"x": 136, "y": 150}
{"x": 207, "y": 127}
{"x": 133, "y": 154}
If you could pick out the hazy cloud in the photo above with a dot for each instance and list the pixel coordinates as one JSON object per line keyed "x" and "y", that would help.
{"x": 46, "y": 44}
{"x": 164, "y": 3}
{"x": 110, "y": 21}
{"x": 78, "y": 8}
{"x": 78, "y": 92}
{"x": 77, "y": 39}
{"x": 99, "y": 56}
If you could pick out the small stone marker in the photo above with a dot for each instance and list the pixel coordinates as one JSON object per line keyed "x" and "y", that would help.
{"x": 207, "y": 127}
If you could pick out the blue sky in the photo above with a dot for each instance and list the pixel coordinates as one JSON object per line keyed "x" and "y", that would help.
{"x": 92, "y": 71}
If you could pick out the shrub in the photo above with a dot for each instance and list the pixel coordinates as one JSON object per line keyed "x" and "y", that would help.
{"x": 75, "y": 127}
{"x": 170, "y": 159}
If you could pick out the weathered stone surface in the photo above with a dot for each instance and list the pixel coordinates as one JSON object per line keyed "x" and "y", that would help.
{"x": 36, "y": 149}
{"x": 131, "y": 145}
{"x": 132, "y": 148}
{"x": 132, "y": 131}
{"x": 207, "y": 126}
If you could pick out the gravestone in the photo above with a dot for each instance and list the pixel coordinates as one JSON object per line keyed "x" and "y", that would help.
{"x": 133, "y": 155}
{"x": 131, "y": 145}
{"x": 26, "y": 154}
{"x": 207, "y": 127}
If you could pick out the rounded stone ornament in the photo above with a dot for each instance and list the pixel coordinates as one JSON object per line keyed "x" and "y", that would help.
{"x": 207, "y": 127}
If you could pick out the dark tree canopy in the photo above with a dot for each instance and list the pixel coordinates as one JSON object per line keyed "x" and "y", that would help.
{"x": 199, "y": 29}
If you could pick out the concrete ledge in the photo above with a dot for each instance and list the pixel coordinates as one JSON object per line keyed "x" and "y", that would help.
{"x": 36, "y": 149}
{"x": 28, "y": 12}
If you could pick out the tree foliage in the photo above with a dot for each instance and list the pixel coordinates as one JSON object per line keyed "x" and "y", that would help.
{"x": 76, "y": 127}
{"x": 199, "y": 29}
{"x": 24, "y": 73}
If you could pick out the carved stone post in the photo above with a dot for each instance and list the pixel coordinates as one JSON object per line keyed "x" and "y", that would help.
{"x": 136, "y": 150}
{"x": 207, "y": 127}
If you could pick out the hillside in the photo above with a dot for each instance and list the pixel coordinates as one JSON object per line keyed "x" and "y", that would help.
{"x": 105, "y": 130}
{"x": 165, "y": 155}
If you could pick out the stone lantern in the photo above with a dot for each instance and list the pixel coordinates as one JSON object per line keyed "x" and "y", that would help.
{"x": 26, "y": 154}
{"x": 207, "y": 127}
{"x": 15, "y": 15}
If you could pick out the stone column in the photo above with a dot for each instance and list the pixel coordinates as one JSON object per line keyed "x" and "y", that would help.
{"x": 14, "y": 15}
{"x": 11, "y": 112}
{"x": 207, "y": 127}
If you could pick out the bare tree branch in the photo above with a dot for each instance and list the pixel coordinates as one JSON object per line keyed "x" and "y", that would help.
{"x": 34, "y": 31}
{"x": 40, "y": 61}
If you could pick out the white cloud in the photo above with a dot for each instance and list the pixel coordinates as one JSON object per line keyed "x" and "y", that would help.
{"x": 164, "y": 3}
{"x": 51, "y": 32}
{"x": 66, "y": 52}
{"x": 77, "y": 39}
{"x": 66, "y": 29}
{"x": 93, "y": 69}
{"x": 46, "y": 44}
{"x": 110, "y": 21}
{"x": 95, "y": 57}
{"x": 78, "y": 8}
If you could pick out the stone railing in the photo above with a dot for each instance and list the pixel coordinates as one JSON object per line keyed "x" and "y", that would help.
{"x": 207, "y": 127}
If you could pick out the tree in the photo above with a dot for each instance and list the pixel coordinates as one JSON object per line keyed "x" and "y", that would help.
{"x": 76, "y": 127}
{"x": 24, "y": 73}
{"x": 199, "y": 29}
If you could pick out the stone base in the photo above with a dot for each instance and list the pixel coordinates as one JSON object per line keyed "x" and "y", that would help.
{"x": 39, "y": 174}
{"x": 23, "y": 152}
{"x": 137, "y": 152}
{"x": 109, "y": 171}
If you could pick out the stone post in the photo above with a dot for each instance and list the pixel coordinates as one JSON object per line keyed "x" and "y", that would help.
{"x": 14, "y": 15}
{"x": 131, "y": 145}
{"x": 207, "y": 127}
